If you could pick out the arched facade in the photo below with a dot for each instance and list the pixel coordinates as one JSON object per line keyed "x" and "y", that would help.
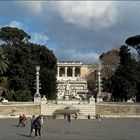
{"x": 71, "y": 84}
{"x": 69, "y": 69}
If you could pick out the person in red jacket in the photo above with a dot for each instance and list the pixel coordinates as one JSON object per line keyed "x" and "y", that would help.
{"x": 23, "y": 120}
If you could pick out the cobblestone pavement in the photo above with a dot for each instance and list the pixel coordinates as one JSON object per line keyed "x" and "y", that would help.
{"x": 108, "y": 129}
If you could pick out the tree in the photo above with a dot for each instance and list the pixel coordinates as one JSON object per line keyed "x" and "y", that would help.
{"x": 92, "y": 80}
{"x": 110, "y": 61}
{"x": 5, "y": 90}
{"x": 13, "y": 36}
{"x": 22, "y": 95}
{"x": 134, "y": 41}
{"x": 3, "y": 61}
{"x": 48, "y": 84}
{"x": 23, "y": 57}
{"x": 124, "y": 81}
{"x": 92, "y": 83}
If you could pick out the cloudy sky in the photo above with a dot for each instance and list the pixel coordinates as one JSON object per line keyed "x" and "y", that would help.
{"x": 80, "y": 30}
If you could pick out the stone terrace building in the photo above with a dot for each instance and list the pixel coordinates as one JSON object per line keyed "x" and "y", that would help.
{"x": 71, "y": 81}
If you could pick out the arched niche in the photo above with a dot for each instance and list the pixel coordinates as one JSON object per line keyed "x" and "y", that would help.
{"x": 77, "y": 72}
{"x": 69, "y": 72}
{"x": 61, "y": 72}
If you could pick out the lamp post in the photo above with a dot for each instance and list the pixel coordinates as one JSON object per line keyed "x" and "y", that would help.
{"x": 37, "y": 95}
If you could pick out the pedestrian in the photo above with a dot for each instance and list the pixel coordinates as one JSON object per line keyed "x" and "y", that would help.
{"x": 88, "y": 117}
{"x": 23, "y": 120}
{"x": 54, "y": 116}
{"x": 65, "y": 116}
{"x": 97, "y": 116}
{"x": 69, "y": 118}
{"x": 32, "y": 125}
{"x": 75, "y": 116}
{"x": 20, "y": 120}
{"x": 37, "y": 125}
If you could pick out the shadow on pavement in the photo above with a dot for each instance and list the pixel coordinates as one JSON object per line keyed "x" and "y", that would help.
{"x": 15, "y": 125}
{"x": 24, "y": 135}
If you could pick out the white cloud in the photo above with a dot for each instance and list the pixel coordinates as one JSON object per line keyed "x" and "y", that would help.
{"x": 39, "y": 38}
{"x": 89, "y": 14}
{"x": 17, "y": 24}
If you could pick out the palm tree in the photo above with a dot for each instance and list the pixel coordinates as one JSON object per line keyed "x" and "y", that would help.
{"x": 3, "y": 61}
{"x": 5, "y": 91}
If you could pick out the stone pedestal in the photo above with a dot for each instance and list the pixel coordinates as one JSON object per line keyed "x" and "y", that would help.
{"x": 37, "y": 99}
{"x": 99, "y": 99}
{"x": 44, "y": 100}
{"x": 92, "y": 100}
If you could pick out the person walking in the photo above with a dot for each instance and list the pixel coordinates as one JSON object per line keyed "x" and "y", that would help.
{"x": 37, "y": 126}
{"x": 98, "y": 117}
{"x": 32, "y": 125}
{"x": 20, "y": 120}
{"x": 23, "y": 121}
{"x": 75, "y": 116}
{"x": 69, "y": 118}
{"x": 88, "y": 117}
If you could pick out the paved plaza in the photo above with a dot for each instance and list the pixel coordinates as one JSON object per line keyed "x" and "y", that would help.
{"x": 59, "y": 129}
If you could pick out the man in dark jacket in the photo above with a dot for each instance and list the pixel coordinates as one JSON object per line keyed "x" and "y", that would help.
{"x": 37, "y": 126}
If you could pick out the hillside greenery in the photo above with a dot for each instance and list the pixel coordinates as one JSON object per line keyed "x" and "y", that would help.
{"x": 17, "y": 78}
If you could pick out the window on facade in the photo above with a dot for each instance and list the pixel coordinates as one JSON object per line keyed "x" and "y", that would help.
{"x": 69, "y": 72}
{"x": 61, "y": 72}
{"x": 77, "y": 72}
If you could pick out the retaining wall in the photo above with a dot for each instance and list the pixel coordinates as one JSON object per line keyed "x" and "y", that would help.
{"x": 104, "y": 109}
{"x": 14, "y": 109}
{"x": 118, "y": 109}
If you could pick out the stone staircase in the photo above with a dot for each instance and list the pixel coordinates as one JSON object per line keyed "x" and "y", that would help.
{"x": 85, "y": 109}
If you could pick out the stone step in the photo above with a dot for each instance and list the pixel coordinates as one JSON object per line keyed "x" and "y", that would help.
{"x": 85, "y": 109}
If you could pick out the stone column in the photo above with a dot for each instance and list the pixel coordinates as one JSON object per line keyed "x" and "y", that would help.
{"x": 66, "y": 71}
{"x": 99, "y": 98}
{"x": 73, "y": 71}
{"x": 80, "y": 72}
{"x": 37, "y": 96}
{"x": 99, "y": 82}
{"x": 58, "y": 71}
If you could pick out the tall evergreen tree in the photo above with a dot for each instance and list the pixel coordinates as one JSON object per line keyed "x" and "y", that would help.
{"x": 13, "y": 36}
{"x": 124, "y": 81}
{"x": 134, "y": 42}
{"x": 23, "y": 57}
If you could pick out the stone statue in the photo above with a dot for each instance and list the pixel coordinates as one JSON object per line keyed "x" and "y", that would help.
{"x": 4, "y": 100}
{"x": 67, "y": 86}
{"x": 92, "y": 98}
